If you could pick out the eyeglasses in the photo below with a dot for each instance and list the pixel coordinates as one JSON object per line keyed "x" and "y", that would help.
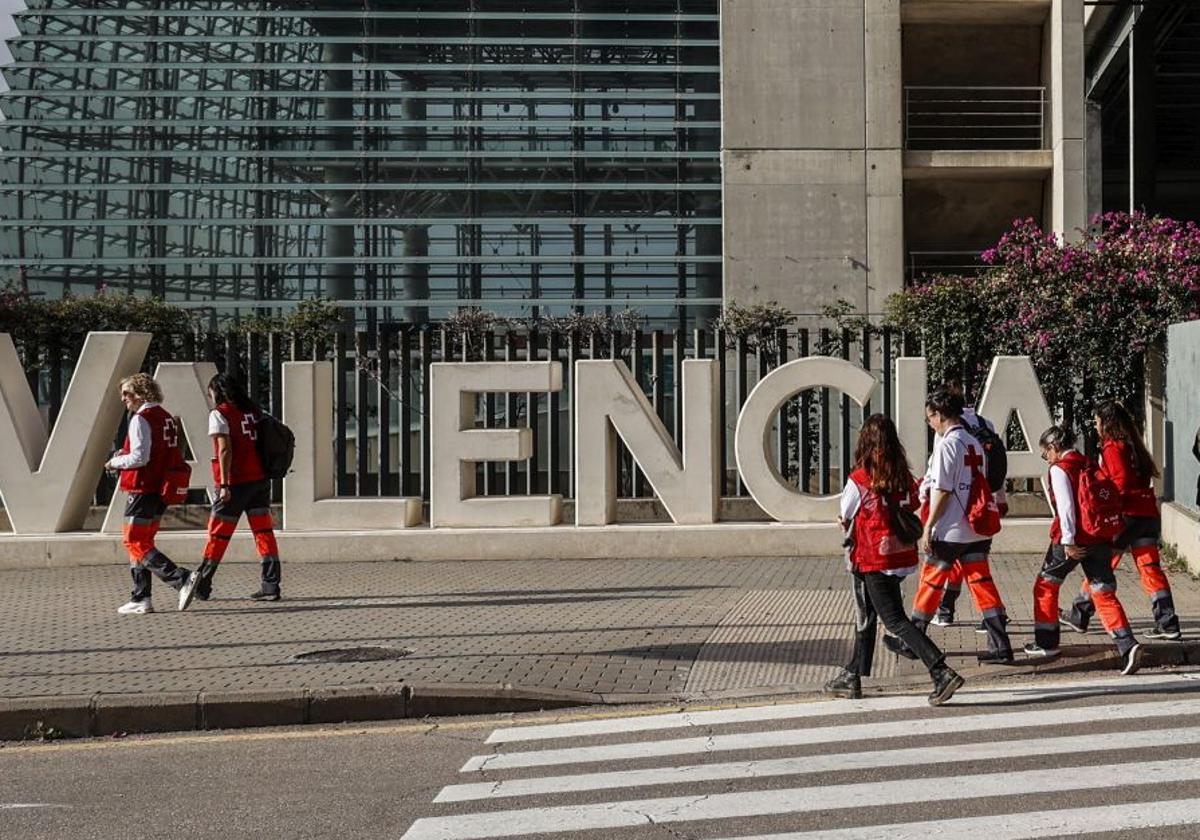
{"x": 1045, "y": 457}
{"x": 128, "y": 394}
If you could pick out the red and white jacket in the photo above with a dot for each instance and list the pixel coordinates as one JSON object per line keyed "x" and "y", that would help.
{"x": 145, "y": 456}
{"x": 1137, "y": 491}
{"x": 245, "y": 465}
{"x": 1063, "y": 482}
{"x": 874, "y": 544}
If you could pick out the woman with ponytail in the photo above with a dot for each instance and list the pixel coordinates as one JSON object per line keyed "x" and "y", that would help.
{"x": 1125, "y": 460}
{"x": 877, "y": 513}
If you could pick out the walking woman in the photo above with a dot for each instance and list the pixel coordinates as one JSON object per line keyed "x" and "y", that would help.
{"x": 241, "y": 487}
{"x": 143, "y": 463}
{"x": 879, "y": 490}
{"x": 1072, "y": 545}
{"x": 1125, "y": 460}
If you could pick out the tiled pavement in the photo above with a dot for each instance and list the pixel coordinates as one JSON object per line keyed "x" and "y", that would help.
{"x": 636, "y": 627}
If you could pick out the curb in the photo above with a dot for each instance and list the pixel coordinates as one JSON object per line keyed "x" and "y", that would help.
{"x": 82, "y": 716}
{"x": 98, "y": 715}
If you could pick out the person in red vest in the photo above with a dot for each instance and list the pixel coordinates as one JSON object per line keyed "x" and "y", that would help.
{"x": 879, "y": 559}
{"x": 142, "y": 464}
{"x": 1070, "y": 546}
{"x": 241, "y": 486}
{"x": 1125, "y": 460}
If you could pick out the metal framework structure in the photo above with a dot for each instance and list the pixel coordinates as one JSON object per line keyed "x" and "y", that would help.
{"x": 376, "y": 150}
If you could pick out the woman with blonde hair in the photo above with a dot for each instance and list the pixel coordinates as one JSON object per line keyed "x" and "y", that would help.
{"x": 143, "y": 463}
{"x": 877, "y": 513}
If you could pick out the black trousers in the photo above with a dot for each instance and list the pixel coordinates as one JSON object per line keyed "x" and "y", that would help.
{"x": 877, "y": 597}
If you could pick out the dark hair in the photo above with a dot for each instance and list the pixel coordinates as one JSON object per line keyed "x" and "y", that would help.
{"x": 1059, "y": 437}
{"x": 227, "y": 389}
{"x": 946, "y": 402}
{"x": 1116, "y": 423}
{"x": 882, "y": 455}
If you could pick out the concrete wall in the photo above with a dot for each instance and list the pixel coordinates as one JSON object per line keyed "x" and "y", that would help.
{"x": 812, "y": 163}
{"x": 945, "y": 54}
{"x": 1183, "y": 413}
{"x": 962, "y": 214}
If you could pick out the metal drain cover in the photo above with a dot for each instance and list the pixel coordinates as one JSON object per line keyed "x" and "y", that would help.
{"x": 369, "y": 653}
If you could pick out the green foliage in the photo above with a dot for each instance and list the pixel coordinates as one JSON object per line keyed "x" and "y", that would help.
{"x": 1086, "y": 312}
{"x": 311, "y": 319}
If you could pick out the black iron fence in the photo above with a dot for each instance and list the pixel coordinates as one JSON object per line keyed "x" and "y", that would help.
{"x": 381, "y": 396}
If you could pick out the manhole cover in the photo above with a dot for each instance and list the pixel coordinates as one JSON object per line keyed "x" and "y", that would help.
{"x": 371, "y": 653}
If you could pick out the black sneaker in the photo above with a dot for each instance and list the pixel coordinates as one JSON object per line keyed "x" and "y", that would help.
{"x": 1164, "y": 634}
{"x": 898, "y": 647}
{"x": 996, "y": 657}
{"x": 945, "y": 683}
{"x": 846, "y": 684}
{"x": 981, "y": 628}
{"x": 1067, "y": 620}
{"x": 263, "y": 595}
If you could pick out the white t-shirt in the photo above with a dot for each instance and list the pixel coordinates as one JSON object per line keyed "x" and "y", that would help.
{"x": 217, "y": 424}
{"x": 970, "y": 418}
{"x": 949, "y": 472}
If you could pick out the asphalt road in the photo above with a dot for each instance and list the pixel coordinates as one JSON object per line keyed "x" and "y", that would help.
{"x": 1106, "y": 757}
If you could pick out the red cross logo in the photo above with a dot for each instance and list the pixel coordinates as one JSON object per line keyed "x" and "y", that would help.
{"x": 972, "y": 460}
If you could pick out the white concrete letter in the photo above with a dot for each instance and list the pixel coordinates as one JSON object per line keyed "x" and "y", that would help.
{"x": 608, "y": 403}
{"x": 457, "y": 446}
{"x": 752, "y": 441}
{"x": 309, "y": 502}
{"x": 47, "y": 479}
{"x": 1012, "y": 385}
{"x": 912, "y": 377}
{"x": 185, "y": 394}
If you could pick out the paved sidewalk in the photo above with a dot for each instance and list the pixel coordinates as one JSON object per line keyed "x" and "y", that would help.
{"x": 620, "y": 630}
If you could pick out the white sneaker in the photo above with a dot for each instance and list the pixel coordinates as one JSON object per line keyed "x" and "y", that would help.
{"x": 136, "y": 608}
{"x": 942, "y": 621}
{"x": 1132, "y": 660}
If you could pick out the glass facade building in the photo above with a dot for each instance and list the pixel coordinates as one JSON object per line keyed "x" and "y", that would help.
{"x": 528, "y": 156}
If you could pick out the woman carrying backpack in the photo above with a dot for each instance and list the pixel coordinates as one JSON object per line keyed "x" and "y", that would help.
{"x": 1126, "y": 462}
{"x": 876, "y": 510}
{"x": 241, "y": 487}
{"x": 1072, "y": 545}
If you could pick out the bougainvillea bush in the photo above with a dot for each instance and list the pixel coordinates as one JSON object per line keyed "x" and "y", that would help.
{"x": 1086, "y": 312}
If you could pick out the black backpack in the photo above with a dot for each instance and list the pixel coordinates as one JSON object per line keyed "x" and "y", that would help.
{"x": 996, "y": 456}
{"x": 276, "y": 446}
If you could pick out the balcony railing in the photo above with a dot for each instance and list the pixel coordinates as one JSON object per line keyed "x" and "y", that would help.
{"x": 922, "y": 264}
{"x": 974, "y": 118}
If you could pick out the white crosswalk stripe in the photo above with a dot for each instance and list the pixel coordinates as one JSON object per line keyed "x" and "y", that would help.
{"x": 622, "y": 788}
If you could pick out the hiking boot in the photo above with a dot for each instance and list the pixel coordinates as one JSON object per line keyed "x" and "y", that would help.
{"x": 945, "y": 683}
{"x": 898, "y": 647}
{"x": 846, "y": 684}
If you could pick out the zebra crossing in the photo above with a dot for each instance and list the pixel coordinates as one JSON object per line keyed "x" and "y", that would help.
{"x": 1028, "y": 762}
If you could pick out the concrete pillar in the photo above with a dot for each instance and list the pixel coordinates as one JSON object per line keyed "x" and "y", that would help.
{"x": 1065, "y": 83}
{"x": 1095, "y": 159}
{"x": 1143, "y": 141}
{"x": 339, "y": 239}
{"x": 884, "y": 273}
{"x": 415, "y": 279}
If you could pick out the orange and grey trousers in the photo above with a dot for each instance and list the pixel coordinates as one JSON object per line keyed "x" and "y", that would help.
{"x": 254, "y": 500}
{"x": 950, "y": 562}
{"x": 1097, "y": 569}
{"x": 1141, "y": 539}
{"x": 143, "y": 517}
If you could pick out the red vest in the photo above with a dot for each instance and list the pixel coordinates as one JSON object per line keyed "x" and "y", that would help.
{"x": 875, "y": 546}
{"x": 243, "y": 444}
{"x": 1137, "y": 491}
{"x": 164, "y": 435}
{"x": 1072, "y": 464}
